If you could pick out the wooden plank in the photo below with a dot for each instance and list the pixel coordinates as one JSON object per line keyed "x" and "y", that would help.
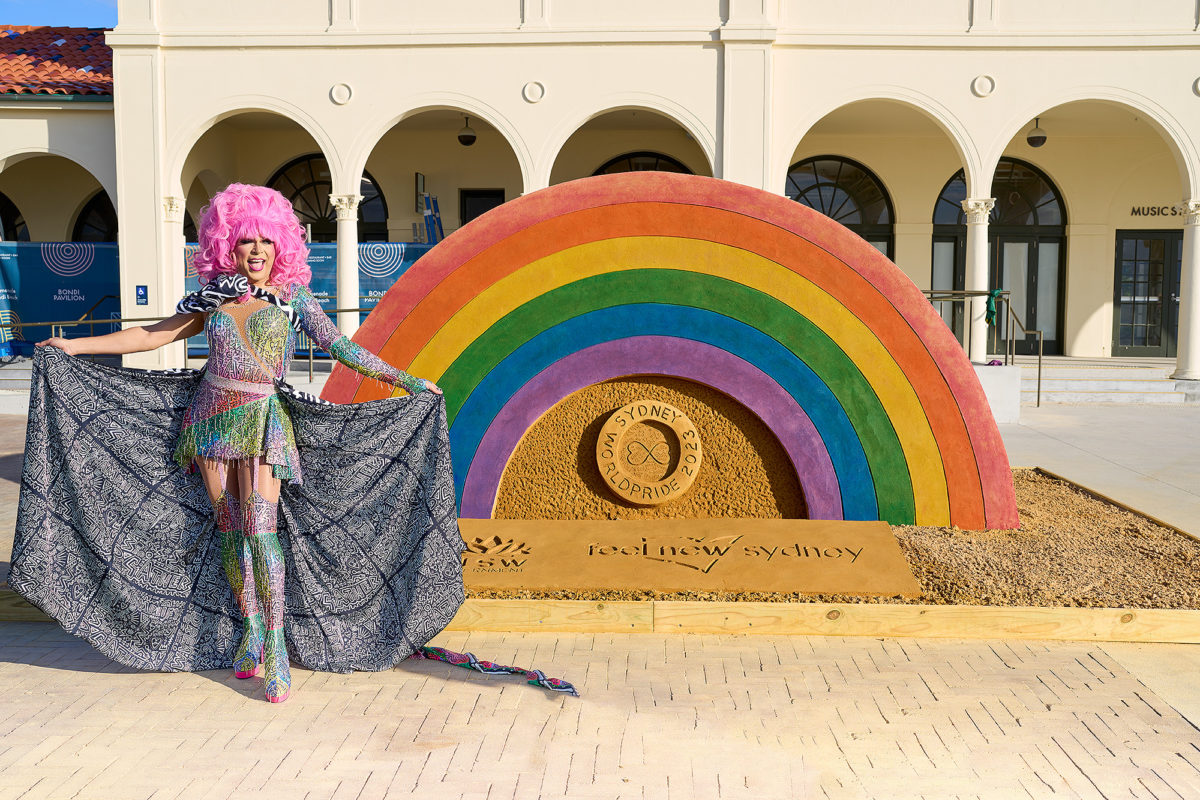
{"x": 923, "y": 621}
{"x": 14, "y": 608}
{"x": 576, "y": 616}
{"x": 797, "y": 619}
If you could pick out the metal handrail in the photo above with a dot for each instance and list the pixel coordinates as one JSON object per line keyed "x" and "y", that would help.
{"x": 964, "y": 296}
{"x": 86, "y": 315}
{"x": 60, "y": 325}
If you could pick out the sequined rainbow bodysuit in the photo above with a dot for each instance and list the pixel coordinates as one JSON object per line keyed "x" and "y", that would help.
{"x": 235, "y": 413}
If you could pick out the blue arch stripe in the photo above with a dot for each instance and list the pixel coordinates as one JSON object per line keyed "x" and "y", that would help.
{"x": 655, "y": 319}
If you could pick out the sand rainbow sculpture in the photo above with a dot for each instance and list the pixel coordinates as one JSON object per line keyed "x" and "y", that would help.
{"x": 752, "y": 294}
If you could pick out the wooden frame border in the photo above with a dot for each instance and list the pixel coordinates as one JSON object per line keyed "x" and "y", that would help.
{"x": 795, "y": 619}
{"x": 824, "y": 619}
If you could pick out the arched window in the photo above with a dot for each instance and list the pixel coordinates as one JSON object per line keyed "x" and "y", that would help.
{"x": 1025, "y": 198}
{"x": 12, "y": 224}
{"x": 306, "y": 182}
{"x": 1027, "y": 249}
{"x": 642, "y": 161}
{"x": 97, "y": 222}
{"x": 846, "y": 192}
{"x": 189, "y": 227}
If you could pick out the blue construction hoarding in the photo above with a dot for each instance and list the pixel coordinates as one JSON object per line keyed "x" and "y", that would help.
{"x": 54, "y": 281}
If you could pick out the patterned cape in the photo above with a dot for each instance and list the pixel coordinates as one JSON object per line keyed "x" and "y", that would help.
{"x": 116, "y": 541}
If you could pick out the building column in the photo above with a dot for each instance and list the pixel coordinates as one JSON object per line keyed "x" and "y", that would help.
{"x": 175, "y": 354}
{"x": 343, "y": 16}
{"x": 535, "y": 14}
{"x": 977, "y": 209}
{"x": 149, "y": 267}
{"x": 1187, "y": 352}
{"x": 347, "y": 259}
{"x": 744, "y": 149}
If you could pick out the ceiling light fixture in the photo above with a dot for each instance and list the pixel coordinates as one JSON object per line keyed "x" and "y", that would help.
{"x": 1036, "y": 136}
{"x": 466, "y": 136}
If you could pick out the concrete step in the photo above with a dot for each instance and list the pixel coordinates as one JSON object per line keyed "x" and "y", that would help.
{"x": 1151, "y": 385}
{"x": 1116, "y": 397}
{"x": 1098, "y": 385}
{"x": 1093, "y": 373}
{"x": 16, "y": 374}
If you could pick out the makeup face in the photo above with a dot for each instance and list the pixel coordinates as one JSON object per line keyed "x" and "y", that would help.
{"x": 255, "y": 258}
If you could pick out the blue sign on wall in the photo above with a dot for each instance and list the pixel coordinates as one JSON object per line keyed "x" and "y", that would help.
{"x": 55, "y": 281}
{"x": 58, "y": 281}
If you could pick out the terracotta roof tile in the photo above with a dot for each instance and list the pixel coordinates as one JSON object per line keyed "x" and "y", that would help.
{"x": 41, "y": 60}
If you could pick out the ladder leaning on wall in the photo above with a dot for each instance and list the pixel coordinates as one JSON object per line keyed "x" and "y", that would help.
{"x": 433, "y": 220}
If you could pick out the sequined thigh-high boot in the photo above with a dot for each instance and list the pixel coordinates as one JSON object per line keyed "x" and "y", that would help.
{"x": 267, "y": 556}
{"x": 235, "y": 555}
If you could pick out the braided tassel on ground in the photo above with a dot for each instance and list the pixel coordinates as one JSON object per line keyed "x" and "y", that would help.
{"x": 534, "y": 677}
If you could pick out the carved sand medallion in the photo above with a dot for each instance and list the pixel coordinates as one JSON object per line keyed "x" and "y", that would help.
{"x": 641, "y": 439}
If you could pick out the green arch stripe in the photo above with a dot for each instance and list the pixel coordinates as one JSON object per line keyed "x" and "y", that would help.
{"x": 794, "y": 331}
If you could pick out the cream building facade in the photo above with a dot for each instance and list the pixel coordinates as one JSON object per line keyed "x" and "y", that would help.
{"x": 853, "y": 106}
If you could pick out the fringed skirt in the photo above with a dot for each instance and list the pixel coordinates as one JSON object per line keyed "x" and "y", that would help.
{"x": 234, "y": 420}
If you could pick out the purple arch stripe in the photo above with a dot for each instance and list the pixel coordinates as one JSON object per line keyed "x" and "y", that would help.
{"x": 656, "y": 355}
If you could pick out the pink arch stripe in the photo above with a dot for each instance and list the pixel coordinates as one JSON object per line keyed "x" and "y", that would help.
{"x": 656, "y": 355}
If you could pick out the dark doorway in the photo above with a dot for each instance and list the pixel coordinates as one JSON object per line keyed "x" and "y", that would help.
{"x": 1026, "y": 245}
{"x": 12, "y": 224}
{"x": 97, "y": 221}
{"x": 1146, "y": 293}
{"x": 474, "y": 203}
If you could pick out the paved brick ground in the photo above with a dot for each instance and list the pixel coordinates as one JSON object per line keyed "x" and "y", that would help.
{"x": 660, "y": 717}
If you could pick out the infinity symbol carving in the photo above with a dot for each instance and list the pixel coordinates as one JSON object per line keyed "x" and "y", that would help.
{"x": 646, "y": 454}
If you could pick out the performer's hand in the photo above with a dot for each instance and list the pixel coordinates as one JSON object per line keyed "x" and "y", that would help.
{"x": 66, "y": 345}
{"x": 433, "y": 387}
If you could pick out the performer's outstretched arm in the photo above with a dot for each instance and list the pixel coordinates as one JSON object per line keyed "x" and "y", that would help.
{"x": 131, "y": 340}
{"x": 321, "y": 329}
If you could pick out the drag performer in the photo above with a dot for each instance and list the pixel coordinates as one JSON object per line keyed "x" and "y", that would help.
{"x": 389, "y": 548}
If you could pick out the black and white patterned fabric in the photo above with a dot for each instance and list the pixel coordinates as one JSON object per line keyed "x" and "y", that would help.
{"x": 116, "y": 542}
{"x": 216, "y": 292}
{"x": 224, "y": 288}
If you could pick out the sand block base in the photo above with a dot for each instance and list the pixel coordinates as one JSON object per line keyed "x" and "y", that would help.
{"x": 762, "y": 555}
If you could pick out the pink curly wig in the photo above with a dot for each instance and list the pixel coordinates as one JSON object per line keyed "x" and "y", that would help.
{"x": 244, "y": 212}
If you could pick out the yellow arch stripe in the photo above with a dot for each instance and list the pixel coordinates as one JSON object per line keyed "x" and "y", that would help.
{"x": 890, "y": 384}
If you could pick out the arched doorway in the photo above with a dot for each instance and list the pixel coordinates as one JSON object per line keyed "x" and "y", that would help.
{"x": 307, "y": 183}
{"x": 642, "y": 161}
{"x": 1027, "y": 246}
{"x": 248, "y": 146}
{"x": 31, "y": 212}
{"x": 846, "y": 192}
{"x": 873, "y": 164}
{"x": 12, "y": 224}
{"x": 629, "y": 140}
{"x": 424, "y": 153}
{"x": 97, "y": 221}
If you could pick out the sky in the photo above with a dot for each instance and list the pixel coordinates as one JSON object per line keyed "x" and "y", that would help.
{"x": 59, "y": 13}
